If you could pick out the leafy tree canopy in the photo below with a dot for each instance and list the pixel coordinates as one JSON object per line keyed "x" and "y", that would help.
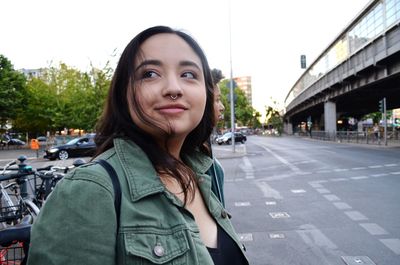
{"x": 12, "y": 91}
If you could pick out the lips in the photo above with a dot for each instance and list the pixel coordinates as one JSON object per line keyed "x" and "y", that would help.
{"x": 171, "y": 108}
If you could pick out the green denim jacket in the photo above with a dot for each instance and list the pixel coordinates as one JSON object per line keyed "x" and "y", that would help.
{"x": 77, "y": 225}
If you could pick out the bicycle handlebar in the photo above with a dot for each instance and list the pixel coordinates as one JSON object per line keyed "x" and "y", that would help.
{"x": 14, "y": 176}
{"x": 45, "y": 168}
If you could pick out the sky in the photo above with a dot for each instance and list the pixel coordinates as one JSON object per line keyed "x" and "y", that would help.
{"x": 265, "y": 38}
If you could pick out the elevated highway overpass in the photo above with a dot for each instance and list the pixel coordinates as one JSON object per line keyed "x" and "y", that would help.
{"x": 359, "y": 68}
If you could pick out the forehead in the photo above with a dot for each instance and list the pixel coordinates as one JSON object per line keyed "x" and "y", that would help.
{"x": 167, "y": 47}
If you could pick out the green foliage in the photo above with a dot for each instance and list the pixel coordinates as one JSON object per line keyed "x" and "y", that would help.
{"x": 377, "y": 116}
{"x": 64, "y": 97}
{"x": 274, "y": 119}
{"x": 12, "y": 91}
{"x": 244, "y": 112}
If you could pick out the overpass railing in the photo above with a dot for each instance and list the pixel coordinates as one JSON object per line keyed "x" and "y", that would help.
{"x": 365, "y": 137}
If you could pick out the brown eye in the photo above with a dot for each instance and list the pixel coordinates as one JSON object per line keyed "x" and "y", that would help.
{"x": 149, "y": 74}
{"x": 189, "y": 75}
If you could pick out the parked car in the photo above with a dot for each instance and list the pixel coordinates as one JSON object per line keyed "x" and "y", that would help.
{"x": 42, "y": 139}
{"x": 227, "y": 138}
{"x": 14, "y": 141}
{"x": 77, "y": 147}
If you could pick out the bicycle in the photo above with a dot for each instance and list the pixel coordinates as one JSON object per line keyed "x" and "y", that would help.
{"x": 14, "y": 242}
{"x": 14, "y": 200}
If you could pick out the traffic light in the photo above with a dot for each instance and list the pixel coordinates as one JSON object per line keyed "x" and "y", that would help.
{"x": 303, "y": 62}
{"x": 381, "y": 108}
{"x": 396, "y": 122}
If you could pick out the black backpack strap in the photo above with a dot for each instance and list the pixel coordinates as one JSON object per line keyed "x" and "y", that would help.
{"x": 116, "y": 185}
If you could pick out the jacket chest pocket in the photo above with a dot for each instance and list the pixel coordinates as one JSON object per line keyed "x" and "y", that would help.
{"x": 154, "y": 246}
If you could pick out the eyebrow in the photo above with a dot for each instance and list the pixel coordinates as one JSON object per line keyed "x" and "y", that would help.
{"x": 159, "y": 63}
{"x": 148, "y": 62}
{"x": 189, "y": 63}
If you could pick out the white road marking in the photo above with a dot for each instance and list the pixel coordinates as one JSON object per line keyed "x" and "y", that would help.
{"x": 359, "y": 177}
{"x": 331, "y": 197}
{"x": 242, "y": 204}
{"x": 245, "y": 237}
{"x": 342, "y": 205}
{"x": 284, "y": 161}
{"x": 376, "y": 166}
{"x": 379, "y": 175}
{"x": 267, "y": 191}
{"x": 340, "y": 169}
{"x": 356, "y": 215}
{"x": 374, "y": 229}
{"x": 277, "y": 215}
{"x": 315, "y": 185}
{"x": 298, "y": 191}
{"x": 338, "y": 179}
{"x": 322, "y": 191}
{"x": 314, "y": 237}
{"x": 393, "y": 244}
{"x": 358, "y": 168}
{"x": 276, "y": 236}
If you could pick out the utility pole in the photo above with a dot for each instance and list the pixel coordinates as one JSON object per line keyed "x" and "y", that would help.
{"x": 382, "y": 109}
{"x": 231, "y": 83}
{"x": 384, "y": 120}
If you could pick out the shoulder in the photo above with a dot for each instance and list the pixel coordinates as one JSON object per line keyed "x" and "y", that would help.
{"x": 92, "y": 173}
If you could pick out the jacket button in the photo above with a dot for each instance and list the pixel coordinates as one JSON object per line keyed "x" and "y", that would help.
{"x": 159, "y": 250}
{"x": 224, "y": 214}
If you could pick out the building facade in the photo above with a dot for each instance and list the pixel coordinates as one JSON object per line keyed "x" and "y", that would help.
{"x": 244, "y": 83}
{"x": 29, "y": 73}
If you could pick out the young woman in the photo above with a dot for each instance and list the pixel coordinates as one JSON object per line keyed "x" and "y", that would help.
{"x": 216, "y": 171}
{"x": 158, "y": 114}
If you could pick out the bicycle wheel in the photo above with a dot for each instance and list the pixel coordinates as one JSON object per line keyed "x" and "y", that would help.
{"x": 28, "y": 207}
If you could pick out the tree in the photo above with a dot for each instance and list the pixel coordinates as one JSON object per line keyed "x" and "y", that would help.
{"x": 64, "y": 97}
{"x": 274, "y": 119}
{"x": 37, "y": 115}
{"x": 244, "y": 112}
{"x": 12, "y": 91}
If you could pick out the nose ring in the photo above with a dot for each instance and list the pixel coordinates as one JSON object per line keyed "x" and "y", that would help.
{"x": 173, "y": 97}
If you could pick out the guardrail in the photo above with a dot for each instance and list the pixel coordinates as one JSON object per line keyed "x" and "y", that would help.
{"x": 393, "y": 138}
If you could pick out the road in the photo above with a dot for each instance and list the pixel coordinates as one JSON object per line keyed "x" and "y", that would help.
{"x": 304, "y": 202}
{"x": 298, "y": 201}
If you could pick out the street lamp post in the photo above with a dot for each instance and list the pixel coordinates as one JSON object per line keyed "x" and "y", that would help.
{"x": 231, "y": 84}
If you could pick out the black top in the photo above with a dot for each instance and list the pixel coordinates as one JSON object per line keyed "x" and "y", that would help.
{"x": 227, "y": 252}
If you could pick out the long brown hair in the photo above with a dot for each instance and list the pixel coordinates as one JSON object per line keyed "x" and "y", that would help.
{"x": 116, "y": 121}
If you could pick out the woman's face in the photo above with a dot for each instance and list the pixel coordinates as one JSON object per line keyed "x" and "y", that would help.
{"x": 218, "y": 106}
{"x": 169, "y": 86}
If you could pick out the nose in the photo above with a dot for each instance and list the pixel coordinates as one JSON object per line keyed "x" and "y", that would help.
{"x": 172, "y": 87}
{"x": 221, "y": 107}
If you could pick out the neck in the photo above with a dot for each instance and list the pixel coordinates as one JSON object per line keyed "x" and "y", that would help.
{"x": 174, "y": 146}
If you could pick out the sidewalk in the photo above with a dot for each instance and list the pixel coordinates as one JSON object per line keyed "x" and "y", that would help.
{"x": 374, "y": 144}
{"x": 7, "y": 155}
{"x": 226, "y": 151}
{"x": 220, "y": 151}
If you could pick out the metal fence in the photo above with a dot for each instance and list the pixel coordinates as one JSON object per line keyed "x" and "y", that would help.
{"x": 393, "y": 137}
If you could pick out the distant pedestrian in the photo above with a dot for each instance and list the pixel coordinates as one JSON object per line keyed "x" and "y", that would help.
{"x": 216, "y": 171}
{"x": 376, "y": 131}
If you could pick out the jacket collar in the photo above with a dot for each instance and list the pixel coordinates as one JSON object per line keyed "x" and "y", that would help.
{"x": 140, "y": 173}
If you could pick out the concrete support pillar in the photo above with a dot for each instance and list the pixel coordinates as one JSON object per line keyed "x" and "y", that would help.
{"x": 288, "y": 128}
{"x": 360, "y": 127}
{"x": 330, "y": 117}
